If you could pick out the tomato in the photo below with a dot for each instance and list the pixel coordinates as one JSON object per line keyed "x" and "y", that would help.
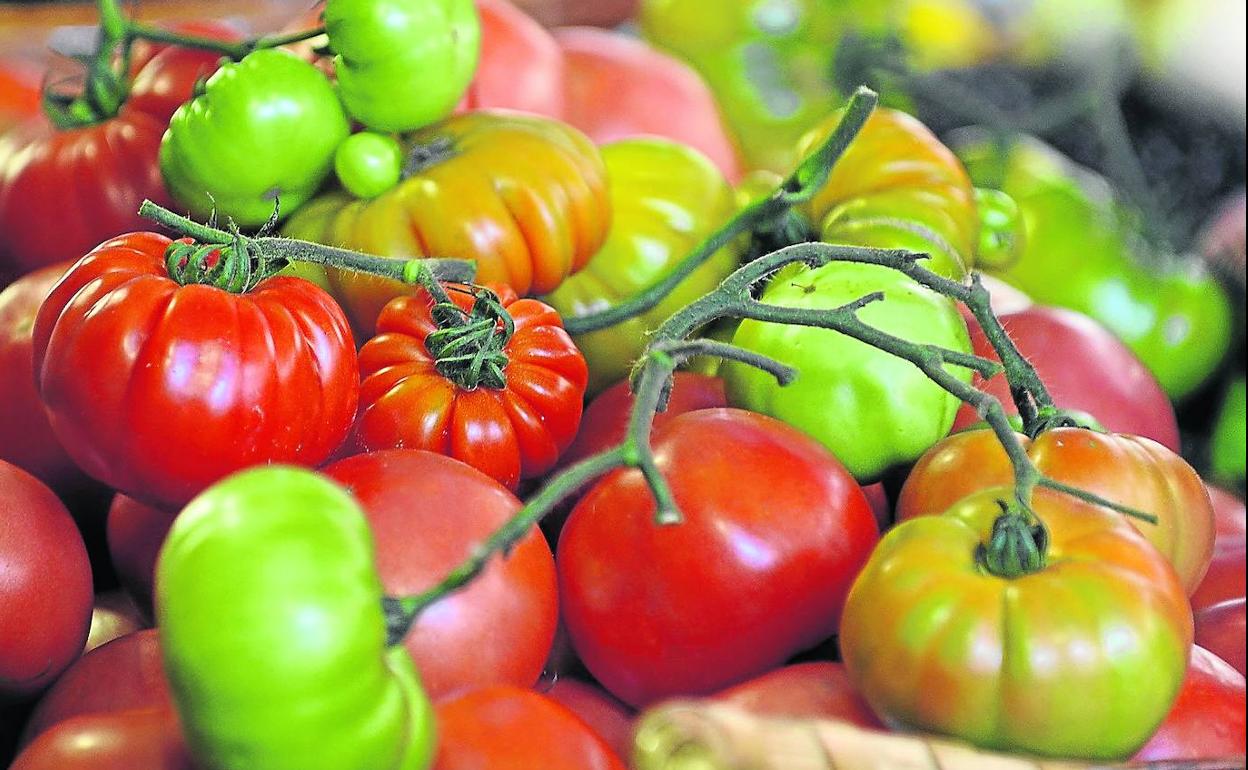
{"x": 610, "y": 719}
{"x": 523, "y": 196}
{"x": 1085, "y": 368}
{"x": 511, "y": 426}
{"x": 873, "y": 410}
{"x": 135, "y": 533}
{"x": 1227, "y": 445}
{"x": 401, "y": 66}
{"x": 665, "y": 200}
{"x": 769, "y": 514}
{"x": 1207, "y": 719}
{"x": 936, "y": 642}
{"x": 427, "y": 512}
{"x": 506, "y": 728}
{"x": 1225, "y": 578}
{"x": 521, "y": 66}
{"x": 159, "y": 389}
{"x": 619, "y": 87}
{"x": 814, "y": 690}
{"x": 124, "y": 740}
{"x": 1129, "y": 470}
{"x": 265, "y": 127}
{"x": 1220, "y": 629}
{"x": 271, "y": 626}
{"x": 20, "y": 94}
{"x": 368, "y": 163}
{"x": 113, "y": 616}
{"x": 168, "y": 78}
{"x": 603, "y": 13}
{"x": 45, "y": 605}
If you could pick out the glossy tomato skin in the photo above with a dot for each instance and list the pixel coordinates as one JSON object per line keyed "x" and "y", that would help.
{"x": 612, "y": 720}
{"x": 1225, "y": 578}
{"x": 427, "y": 512}
{"x": 936, "y": 643}
{"x": 509, "y": 433}
{"x": 1086, "y": 368}
{"x": 45, "y": 605}
{"x": 158, "y": 389}
{"x": 168, "y": 77}
{"x": 1130, "y": 470}
{"x": 1207, "y": 719}
{"x": 814, "y": 690}
{"x": 521, "y": 66}
{"x": 135, "y": 532}
{"x": 1220, "y": 628}
{"x": 769, "y": 514}
{"x": 123, "y": 740}
{"x": 507, "y": 728}
{"x": 524, "y": 196}
{"x": 665, "y": 200}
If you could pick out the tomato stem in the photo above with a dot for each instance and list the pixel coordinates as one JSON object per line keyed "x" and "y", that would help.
{"x": 232, "y": 49}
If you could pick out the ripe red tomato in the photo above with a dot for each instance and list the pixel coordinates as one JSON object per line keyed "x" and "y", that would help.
{"x": 427, "y": 513}
{"x": 521, "y": 67}
{"x": 45, "y": 577}
{"x": 1086, "y": 368}
{"x": 1220, "y": 630}
{"x": 604, "y": 13}
{"x": 612, "y": 720}
{"x": 506, "y": 728}
{"x": 618, "y": 86}
{"x": 159, "y": 390}
{"x": 135, "y": 533}
{"x": 1207, "y": 720}
{"x": 168, "y": 79}
{"x": 122, "y": 740}
{"x": 1225, "y": 578}
{"x": 775, "y": 529}
{"x": 814, "y": 690}
{"x": 19, "y": 90}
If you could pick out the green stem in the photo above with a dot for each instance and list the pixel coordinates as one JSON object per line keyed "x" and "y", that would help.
{"x": 232, "y": 49}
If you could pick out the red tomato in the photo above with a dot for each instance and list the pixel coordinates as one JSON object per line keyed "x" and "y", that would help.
{"x": 775, "y": 530}
{"x": 159, "y": 390}
{"x": 45, "y": 586}
{"x": 511, "y": 432}
{"x": 1220, "y": 630}
{"x": 521, "y": 66}
{"x": 877, "y": 496}
{"x": 1207, "y": 720}
{"x": 143, "y": 51}
{"x": 612, "y": 720}
{"x": 20, "y": 97}
{"x": 815, "y": 690}
{"x": 603, "y": 13}
{"x": 122, "y": 740}
{"x": 26, "y": 438}
{"x": 135, "y": 534}
{"x": 1086, "y": 368}
{"x": 1225, "y": 578}
{"x": 427, "y": 513}
{"x": 618, "y": 86}
{"x": 506, "y": 728}
{"x": 169, "y": 79}
{"x": 113, "y": 616}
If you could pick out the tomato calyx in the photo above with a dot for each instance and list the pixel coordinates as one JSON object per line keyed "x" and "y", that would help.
{"x": 469, "y": 346}
{"x": 1049, "y": 418}
{"x": 1016, "y": 548}
{"x": 425, "y": 155}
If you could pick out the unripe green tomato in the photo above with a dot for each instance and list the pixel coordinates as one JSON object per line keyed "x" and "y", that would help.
{"x": 403, "y": 64}
{"x": 1227, "y": 447}
{"x": 270, "y": 615}
{"x": 369, "y": 163}
{"x": 872, "y": 409}
{"x": 265, "y": 126}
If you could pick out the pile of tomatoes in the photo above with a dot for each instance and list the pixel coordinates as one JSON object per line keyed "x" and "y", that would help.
{"x": 273, "y": 495}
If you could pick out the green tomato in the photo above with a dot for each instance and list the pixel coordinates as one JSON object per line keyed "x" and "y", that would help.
{"x": 403, "y": 64}
{"x": 1229, "y": 437}
{"x": 368, "y": 163}
{"x": 873, "y": 410}
{"x": 274, "y": 641}
{"x": 265, "y": 126}
{"x": 666, "y": 198}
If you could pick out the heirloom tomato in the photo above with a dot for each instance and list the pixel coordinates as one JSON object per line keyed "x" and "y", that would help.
{"x": 665, "y": 200}
{"x": 1220, "y": 629}
{"x": 656, "y": 611}
{"x": 1225, "y": 578}
{"x": 511, "y": 423}
{"x": 1207, "y": 719}
{"x": 1080, "y": 657}
{"x": 1129, "y": 470}
{"x": 523, "y": 196}
{"x": 521, "y": 67}
{"x": 169, "y": 75}
{"x": 159, "y": 389}
{"x": 271, "y": 625}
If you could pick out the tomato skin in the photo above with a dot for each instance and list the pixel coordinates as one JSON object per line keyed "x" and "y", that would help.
{"x": 814, "y": 690}
{"x": 524, "y": 196}
{"x": 175, "y": 387}
{"x": 1086, "y": 368}
{"x": 1207, "y": 719}
{"x": 1130, "y": 470}
{"x": 610, "y": 719}
{"x": 507, "y": 728}
{"x": 935, "y": 643}
{"x": 1225, "y": 578}
{"x": 45, "y": 607}
{"x": 135, "y": 532}
{"x": 427, "y": 512}
{"x": 168, "y": 78}
{"x": 665, "y": 200}
{"x": 521, "y": 66}
{"x": 768, "y": 514}
{"x": 511, "y": 433}
{"x": 149, "y": 739}
{"x": 1220, "y": 629}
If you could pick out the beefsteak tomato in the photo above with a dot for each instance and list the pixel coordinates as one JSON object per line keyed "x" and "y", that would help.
{"x": 1207, "y": 720}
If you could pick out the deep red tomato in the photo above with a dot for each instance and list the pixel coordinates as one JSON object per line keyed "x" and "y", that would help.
{"x": 506, "y": 728}
{"x": 1086, "y": 368}
{"x": 1207, "y": 720}
{"x": 612, "y": 720}
{"x": 427, "y": 513}
{"x": 20, "y": 80}
{"x": 169, "y": 78}
{"x": 122, "y": 740}
{"x": 158, "y": 389}
{"x": 511, "y": 432}
{"x": 45, "y": 586}
{"x": 775, "y": 530}
{"x": 1220, "y": 630}
{"x": 135, "y": 533}
{"x": 618, "y": 86}
{"x": 815, "y": 690}
{"x": 521, "y": 67}
{"x": 1225, "y": 578}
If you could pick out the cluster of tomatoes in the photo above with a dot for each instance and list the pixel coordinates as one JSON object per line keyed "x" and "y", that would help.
{"x": 315, "y": 453}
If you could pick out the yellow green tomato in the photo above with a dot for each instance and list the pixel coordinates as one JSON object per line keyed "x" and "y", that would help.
{"x": 270, "y": 615}
{"x": 666, "y": 198}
